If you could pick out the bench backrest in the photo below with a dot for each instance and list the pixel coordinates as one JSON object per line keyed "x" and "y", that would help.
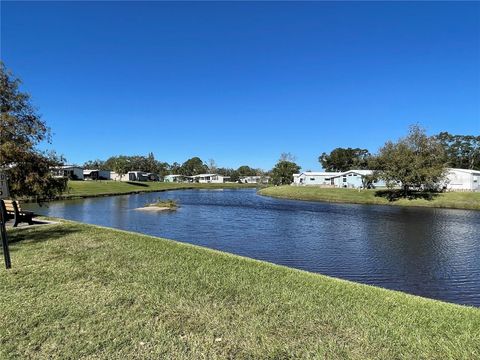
{"x": 11, "y": 206}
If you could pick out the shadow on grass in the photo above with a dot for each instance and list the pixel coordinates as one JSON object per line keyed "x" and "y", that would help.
{"x": 137, "y": 184}
{"x": 397, "y": 194}
{"x": 50, "y": 232}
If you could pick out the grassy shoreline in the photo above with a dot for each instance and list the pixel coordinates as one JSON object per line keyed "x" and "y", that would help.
{"x": 451, "y": 200}
{"x": 78, "y": 290}
{"x": 100, "y": 188}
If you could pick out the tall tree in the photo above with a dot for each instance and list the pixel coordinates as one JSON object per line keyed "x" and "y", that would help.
{"x": 245, "y": 170}
{"x": 21, "y": 130}
{"x": 343, "y": 159}
{"x": 461, "y": 151}
{"x": 193, "y": 166}
{"x": 282, "y": 173}
{"x": 416, "y": 160}
{"x": 174, "y": 168}
{"x": 95, "y": 164}
{"x": 212, "y": 166}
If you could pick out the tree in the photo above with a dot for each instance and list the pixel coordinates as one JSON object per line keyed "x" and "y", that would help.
{"x": 95, "y": 164}
{"x": 416, "y": 160}
{"x": 193, "y": 166}
{"x": 21, "y": 130}
{"x": 343, "y": 159}
{"x": 245, "y": 170}
{"x": 282, "y": 173}
{"x": 174, "y": 169}
{"x": 231, "y": 173}
{"x": 461, "y": 151}
{"x": 212, "y": 166}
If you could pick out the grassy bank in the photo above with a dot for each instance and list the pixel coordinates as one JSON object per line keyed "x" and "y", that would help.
{"x": 454, "y": 200}
{"x": 77, "y": 189}
{"x": 83, "y": 291}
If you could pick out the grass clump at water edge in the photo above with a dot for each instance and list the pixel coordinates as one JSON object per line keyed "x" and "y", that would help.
{"x": 165, "y": 204}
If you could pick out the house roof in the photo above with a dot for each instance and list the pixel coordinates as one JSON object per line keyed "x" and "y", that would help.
{"x": 334, "y": 174}
{"x": 319, "y": 173}
{"x": 469, "y": 171}
{"x": 68, "y": 167}
{"x": 204, "y": 175}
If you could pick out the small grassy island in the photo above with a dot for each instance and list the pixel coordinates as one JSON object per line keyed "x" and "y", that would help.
{"x": 82, "y": 291}
{"x": 453, "y": 200}
{"x": 161, "y": 205}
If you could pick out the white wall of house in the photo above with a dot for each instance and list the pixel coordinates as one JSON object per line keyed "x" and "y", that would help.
{"x": 296, "y": 179}
{"x": 102, "y": 174}
{"x": 254, "y": 179}
{"x": 68, "y": 170}
{"x": 314, "y": 178}
{"x": 462, "y": 180}
{"x": 117, "y": 177}
{"x": 346, "y": 179}
{"x": 176, "y": 178}
{"x": 210, "y": 178}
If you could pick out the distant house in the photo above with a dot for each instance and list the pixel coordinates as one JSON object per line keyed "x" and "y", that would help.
{"x": 323, "y": 179}
{"x": 462, "y": 180}
{"x": 210, "y": 178}
{"x": 71, "y": 172}
{"x": 176, "y": 178}
{"x": 117, "y": 177}
{"x": 255, "y": 179}
{"x": 95, "y": 174}
{"x": 352, "y": 179}
{"x": 135, "y": 176}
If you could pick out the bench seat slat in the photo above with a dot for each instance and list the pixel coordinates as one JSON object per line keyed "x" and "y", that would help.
{"x": 14, "y": 211}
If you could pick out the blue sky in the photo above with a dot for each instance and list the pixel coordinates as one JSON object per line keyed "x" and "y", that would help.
{"x": 241, "y": 83}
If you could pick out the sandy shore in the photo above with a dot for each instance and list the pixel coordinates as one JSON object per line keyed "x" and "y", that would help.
{"x": 154, "y": 208}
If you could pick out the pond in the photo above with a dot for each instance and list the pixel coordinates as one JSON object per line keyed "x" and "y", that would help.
{"x": 429, "y": 252}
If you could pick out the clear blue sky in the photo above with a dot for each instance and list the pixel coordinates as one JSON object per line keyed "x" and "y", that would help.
{"x": 241, "y": 83}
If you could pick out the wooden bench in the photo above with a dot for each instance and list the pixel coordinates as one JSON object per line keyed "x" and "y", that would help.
{"x": 11, "y": 210}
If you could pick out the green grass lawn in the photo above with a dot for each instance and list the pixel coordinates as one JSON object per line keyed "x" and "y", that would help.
{"x": 80, "y": 291}
{"x": 456, "y": 200}
{"x": 110, "y": 187}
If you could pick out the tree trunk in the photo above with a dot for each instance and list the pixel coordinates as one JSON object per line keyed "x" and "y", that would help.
{"x": 405, "y": 191}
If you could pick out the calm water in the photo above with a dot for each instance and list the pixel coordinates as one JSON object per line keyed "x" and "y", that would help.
{"x": 429, "y": 252}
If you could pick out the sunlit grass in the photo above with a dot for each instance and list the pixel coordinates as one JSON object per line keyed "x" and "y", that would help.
{"x": 456, "y": 200}
{"x": 109, "y": 187}
{"x": 80, "y": 291}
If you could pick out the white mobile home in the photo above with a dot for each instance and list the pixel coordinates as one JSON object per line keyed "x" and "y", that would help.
{"x": 354, "y": 179}
{"x": 348, "y": 179}
{"x": 210, "y": 178}
{"x": 71, "y": 172}
{"x": 255, "y": 179}
{"x": 462, "y": 180}
{"x": 315, "y": 178}
{"x": 176, "y": 178}
{"x": 134, "y": 176}
{"x": 96, "y": 174}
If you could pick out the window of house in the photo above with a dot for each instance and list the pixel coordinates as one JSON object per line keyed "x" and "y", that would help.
{"x": 344, "y": 179}
{"x": 312, "y": 179}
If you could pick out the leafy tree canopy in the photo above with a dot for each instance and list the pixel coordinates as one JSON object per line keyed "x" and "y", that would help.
{"x": 193, "y": 166}
{"x": 122, "y": 164}
{"x": 461, "y": 151}
{"x": 416, "y": 160}
{"x": 282, "y": 173}
{"x": 21, "y": 130}
{"x": 343, "y": 159}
